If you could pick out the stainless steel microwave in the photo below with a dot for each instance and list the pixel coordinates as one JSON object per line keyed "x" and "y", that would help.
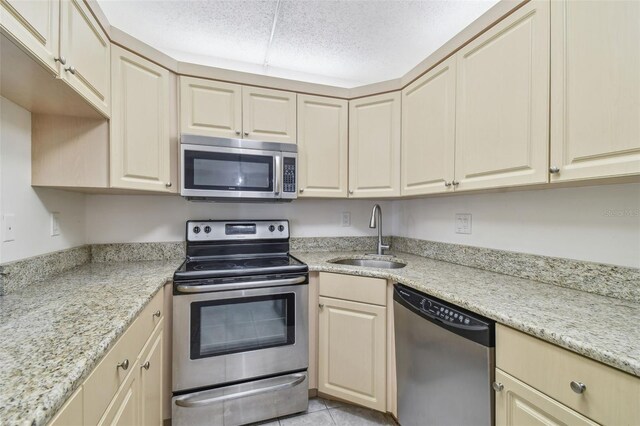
{"x": 222, "y": 169}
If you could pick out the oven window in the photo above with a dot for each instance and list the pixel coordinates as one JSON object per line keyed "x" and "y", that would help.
{"x": 228, "y": 172}
{"x": 221, "y": 327}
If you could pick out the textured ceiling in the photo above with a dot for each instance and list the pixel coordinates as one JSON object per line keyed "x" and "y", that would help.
{"x": 344, "y": 43}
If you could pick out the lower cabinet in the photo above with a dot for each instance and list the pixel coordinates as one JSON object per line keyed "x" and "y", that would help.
{"x": 352, "y": 342}
{"x": 127, "y": 386}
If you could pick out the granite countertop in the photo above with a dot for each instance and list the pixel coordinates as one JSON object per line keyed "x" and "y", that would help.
{"x": 598, "y": 327}
{"x": 53, "y": 333}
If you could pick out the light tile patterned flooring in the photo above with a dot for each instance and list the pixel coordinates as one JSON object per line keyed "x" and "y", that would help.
{"x": 326, "y": 412}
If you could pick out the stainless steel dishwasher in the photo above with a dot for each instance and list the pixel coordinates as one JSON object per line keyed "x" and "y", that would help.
{"x": 445, "y": 362}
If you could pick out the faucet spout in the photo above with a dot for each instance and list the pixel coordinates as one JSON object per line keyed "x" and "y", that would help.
{"x": 376, "y": 222}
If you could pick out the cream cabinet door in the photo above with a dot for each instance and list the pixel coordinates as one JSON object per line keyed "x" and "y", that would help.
{"x": 151, "y": 385}
{"x": 595, "y": 89}
{"x": 140, "y": 139}
{"x": 428, "y": 131}
{"x": 124, "y": 410}
{"x": 323, "y": 131}
{"x": 268, "y": 115}
{"x": 374, "y": 146}
{"x": 35, "y": 26}
{"x": 352, "y": 352}
{"x": 86, "y": 49}
{"x": 210, "y": 108}
{"x": 502, "y": 103}
{"x": 71, "y": 412}
{"x": 521, "y": 405}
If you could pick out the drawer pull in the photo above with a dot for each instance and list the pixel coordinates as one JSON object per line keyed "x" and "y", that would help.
{"x": 124, "y": 364}
{"x": 156, "y": 314}
{"x": 498, "y": 387}
{"x": 321, "y": 305}
{"x": 578, "y": 387}
{"x": 146, "y": 365}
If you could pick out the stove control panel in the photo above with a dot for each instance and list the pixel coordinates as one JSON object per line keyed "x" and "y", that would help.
{"x": 225, "y": 230}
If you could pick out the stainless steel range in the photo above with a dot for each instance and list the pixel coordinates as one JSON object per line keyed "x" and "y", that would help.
{"x": 240, "y": 326}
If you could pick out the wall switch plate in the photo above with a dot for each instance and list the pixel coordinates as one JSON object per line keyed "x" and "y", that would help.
{"x": 346, "y": 218}
{"x": 8, "y": 227}
{"x": 55, "y": 224}
{"x": 463, "y": 223}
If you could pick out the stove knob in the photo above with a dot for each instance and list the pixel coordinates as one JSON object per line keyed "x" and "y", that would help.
{"x": 280, "y": 228}
{"x": 272, "y": 228}
{"x": 196, "y": 229}
{"x": 207, "y": 229}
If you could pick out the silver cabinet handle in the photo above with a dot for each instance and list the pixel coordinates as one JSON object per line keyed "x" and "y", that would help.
{"x": 455, "y": 183}
{"x": 71, "y": 69}
{"x": 301, "y": 190}
{"x": 321, "y": 305}
{"x": 157, "y": 314}
{"x": 186, "y": 288}
{"x": 168, "y": 185}
{"x": 246, "y": 133}
{"x": 124, "y": 364}
{"x": 554, "y": 170}
{"x": 498, "y": 387}
{"x": 238, "y": 132}
{"x": 200, "y": 399}
{"x": 578, "y": 387}
{"x": 61, "y": 59}
{"x": 447, "y": 184}
{"x": 146, "y": 365}
{"x": 351, "y": 191}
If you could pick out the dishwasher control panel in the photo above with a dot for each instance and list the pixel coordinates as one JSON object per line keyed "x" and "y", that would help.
{"x": 438, "y": 309}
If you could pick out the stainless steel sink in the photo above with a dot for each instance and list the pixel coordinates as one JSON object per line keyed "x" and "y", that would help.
{"x": 370, "y": 263}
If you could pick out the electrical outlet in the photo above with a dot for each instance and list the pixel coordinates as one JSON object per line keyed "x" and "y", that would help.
{"x": 9, "y": 227}
{"x": 55, "y": 224}
{"x": 346, "y": 218}
{"x": 463, "y": 223}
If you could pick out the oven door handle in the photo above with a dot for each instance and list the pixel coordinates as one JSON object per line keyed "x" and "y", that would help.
{"x": 187, "y": 288}
{"x": 200, "y": 399}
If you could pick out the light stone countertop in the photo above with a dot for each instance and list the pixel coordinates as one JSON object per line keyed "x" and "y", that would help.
{"x": 53, "y": 333}
{"x": 601, "y": 328}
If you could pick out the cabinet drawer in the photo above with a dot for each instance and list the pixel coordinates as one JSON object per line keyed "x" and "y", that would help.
{"x": 610, "y": 397}
{"x": 351, "y": 287}
{"x": 106, "y": 378}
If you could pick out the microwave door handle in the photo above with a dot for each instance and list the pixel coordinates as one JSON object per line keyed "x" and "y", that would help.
{"x": 277, "y": 181}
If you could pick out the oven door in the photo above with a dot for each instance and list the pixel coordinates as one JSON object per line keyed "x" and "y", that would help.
{"x": 225, "y": 172}
{"x": 236, "y": 335}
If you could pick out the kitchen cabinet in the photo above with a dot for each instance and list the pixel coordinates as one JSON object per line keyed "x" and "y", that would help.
{"x": 123, "y": 389}
{"x": 374, "y": 146}
{"x": 87, "y": 53}
{"x": 35, "y": 26}
{"x": 519, "y": 404}
{"x": 140, "y": 148}
{"x": 502, "y": 103}
{"x": 213, "y": 108}
{"x": 210, "y": 108}
{"x": 595, "y": 89}
{"x": 567, "y": 385}
{"x": 65, "y": 38}
{"x": 323, "y": 150}
{"x": 352, "y": 341}
{"x": 428, "y": 131}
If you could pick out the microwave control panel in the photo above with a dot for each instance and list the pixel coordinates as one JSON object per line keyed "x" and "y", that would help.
{"x": 289, "y": 174}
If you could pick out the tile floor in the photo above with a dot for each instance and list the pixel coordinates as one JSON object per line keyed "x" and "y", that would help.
{"x": 326, "y": 412}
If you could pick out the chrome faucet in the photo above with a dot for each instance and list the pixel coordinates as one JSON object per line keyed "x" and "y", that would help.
{"x": 376, "y": 221}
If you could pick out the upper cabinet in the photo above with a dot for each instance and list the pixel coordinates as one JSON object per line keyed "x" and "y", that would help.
{"x": 595, "y": 89}
{"x": 86, "y": 52}
{"x": 268, "y": 115}
{"x": 322, "y": 146}
{"x": 374, "y": 146}
{"x": 213, "y": 108}
{"x": 210, "y": 108}
{"x": 35, "y": 26}
{"x": 140, "y": 124}
{"x": 428, "y": 131}
{"x": 502, "y": 103}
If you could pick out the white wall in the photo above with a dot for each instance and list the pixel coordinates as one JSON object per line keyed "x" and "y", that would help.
{"x": 600, "y": 223}
{"x": 112, "y": 218}
{"x": 30, "y": 206}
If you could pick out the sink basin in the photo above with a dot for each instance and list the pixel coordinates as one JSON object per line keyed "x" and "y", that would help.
{"x": 371, "y": 263}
